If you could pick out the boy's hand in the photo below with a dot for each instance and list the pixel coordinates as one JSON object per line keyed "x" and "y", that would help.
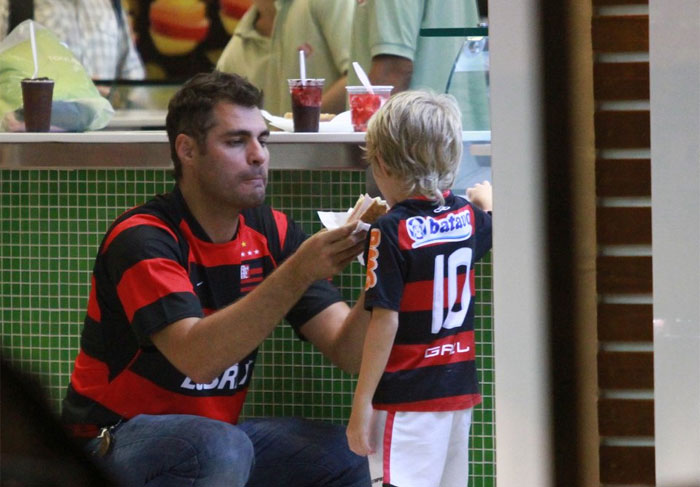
{"x": 359, "y": 428}
{"x": 481, "y": 195}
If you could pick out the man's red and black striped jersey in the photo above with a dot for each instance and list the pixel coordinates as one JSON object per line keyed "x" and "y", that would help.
{"x": 420, "y": 262}
{"x": 156, "y": 265}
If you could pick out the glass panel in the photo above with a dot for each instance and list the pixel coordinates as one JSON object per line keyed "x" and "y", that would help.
{"x": 138, "y": 95}
{"x": 469, "y": 83}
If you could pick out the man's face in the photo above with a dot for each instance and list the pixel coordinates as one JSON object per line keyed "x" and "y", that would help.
{"x": 232, "y": 167}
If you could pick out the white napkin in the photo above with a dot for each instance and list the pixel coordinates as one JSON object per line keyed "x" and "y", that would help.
{"x": 335, "y": 219}
{"x": 340, "y": 123}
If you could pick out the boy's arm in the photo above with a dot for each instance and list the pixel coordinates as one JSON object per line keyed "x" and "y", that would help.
{"x": 481, "y": 195}
{"x": 378, "y": 342}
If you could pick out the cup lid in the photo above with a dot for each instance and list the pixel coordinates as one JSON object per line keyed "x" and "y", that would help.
{"x": 308, "y": 80}
{"x": 374, "y": 87}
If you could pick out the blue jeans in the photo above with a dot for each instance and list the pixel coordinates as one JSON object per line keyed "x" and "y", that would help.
{"x": 184, "y": 450}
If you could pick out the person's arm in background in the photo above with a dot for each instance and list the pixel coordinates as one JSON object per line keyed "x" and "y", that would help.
{"x": 133, "y": 65}
{"x": 4, "y": 18}
{"x": 391, "y": 70}
{"x": 378, "y": 342}
{"x": 393, "y": 30}
{"x": 333, "y": 100}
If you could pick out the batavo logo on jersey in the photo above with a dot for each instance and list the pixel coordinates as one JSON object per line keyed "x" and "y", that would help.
{"x": 231, "y": 379}
{"x": 419, "y": 231}
{"x": 375, "y": 236}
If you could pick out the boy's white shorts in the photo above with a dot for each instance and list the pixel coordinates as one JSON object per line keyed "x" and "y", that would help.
{"x": 420, "y": 449}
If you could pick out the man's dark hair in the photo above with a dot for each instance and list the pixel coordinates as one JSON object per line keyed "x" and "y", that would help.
{"x": 190, "y": 109}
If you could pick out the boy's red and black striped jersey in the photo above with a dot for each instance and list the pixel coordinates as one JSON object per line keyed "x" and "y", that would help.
{"x": 420, "y": 262}
{"x": 155, "y": 266}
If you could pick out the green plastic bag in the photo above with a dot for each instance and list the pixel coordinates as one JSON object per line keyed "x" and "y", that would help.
{"x": 77, "y": 105}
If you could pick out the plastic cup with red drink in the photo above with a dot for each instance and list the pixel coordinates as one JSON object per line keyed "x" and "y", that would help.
{"x": 306, "y": 103}
{"x": 363, "y": 104}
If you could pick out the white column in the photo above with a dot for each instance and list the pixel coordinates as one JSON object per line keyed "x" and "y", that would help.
{"x": 523, "y": 446}
{"x": 675, "y": 163}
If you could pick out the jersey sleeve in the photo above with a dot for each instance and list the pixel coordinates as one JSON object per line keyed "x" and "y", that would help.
{"x": 384, "y": 279}
{"x": 319, "y": 295}
{"x": 483, "y": 223}
{"x": 142, "y": 274}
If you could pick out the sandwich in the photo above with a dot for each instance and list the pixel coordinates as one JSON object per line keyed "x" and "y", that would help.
{"x": 368, "y": 209}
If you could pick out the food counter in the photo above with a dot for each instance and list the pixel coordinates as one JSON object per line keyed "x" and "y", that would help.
{"x": 150, "y": 149}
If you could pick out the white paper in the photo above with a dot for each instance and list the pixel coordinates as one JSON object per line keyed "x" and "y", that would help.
{"x": 335, "y": 219}
{"x": 340, "y": 123}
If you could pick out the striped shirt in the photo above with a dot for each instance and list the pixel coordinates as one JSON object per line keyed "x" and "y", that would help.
{"x": 420, "y": 262}
{"x": 156, "y": 266}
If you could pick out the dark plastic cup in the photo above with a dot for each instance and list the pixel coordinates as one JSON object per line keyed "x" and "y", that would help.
{"x": 37, "y": 95}
{"x": 306, "y": 103}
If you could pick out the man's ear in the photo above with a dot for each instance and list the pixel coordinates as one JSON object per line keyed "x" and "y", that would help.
{"x": 186, "y": 147}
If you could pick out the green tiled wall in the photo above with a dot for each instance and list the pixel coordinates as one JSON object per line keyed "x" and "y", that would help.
{"x": 51, "y": 223}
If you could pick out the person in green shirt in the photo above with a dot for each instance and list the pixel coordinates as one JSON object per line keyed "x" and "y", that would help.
{"x": 266, "y": 43}
{"x": 386, "y": 42}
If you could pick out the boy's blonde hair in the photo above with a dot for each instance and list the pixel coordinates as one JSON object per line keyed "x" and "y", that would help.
{"x": 418, "y": 136}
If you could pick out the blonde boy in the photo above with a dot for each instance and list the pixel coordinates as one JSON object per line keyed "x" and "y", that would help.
{"x": 412, "y": 407}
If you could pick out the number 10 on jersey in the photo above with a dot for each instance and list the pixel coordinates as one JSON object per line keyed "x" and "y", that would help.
{"x": 461, "y": 257}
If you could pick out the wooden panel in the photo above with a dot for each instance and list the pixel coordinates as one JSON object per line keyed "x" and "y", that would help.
{"x": 624, "y": 275}
{"x": 621, "y": 81}
{"x": 626, "y": 417}
{"x": 623, "y": 177}
{"x": 626, "y": 370}
{"x": 622, "y": 129}
{"x": 625, "y": 322}
{"x": 621, "y": 33}
{"x": 623, "y": 465}
{"x": 620, "y": 226}
{"x": 627, "y": 465}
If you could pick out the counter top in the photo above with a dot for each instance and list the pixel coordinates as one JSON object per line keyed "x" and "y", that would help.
{"x": 131, "y": 118}
{"x": 154, "y": 136}
{"x": 160, "y": 136}
{"x": 149, "y": 148}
